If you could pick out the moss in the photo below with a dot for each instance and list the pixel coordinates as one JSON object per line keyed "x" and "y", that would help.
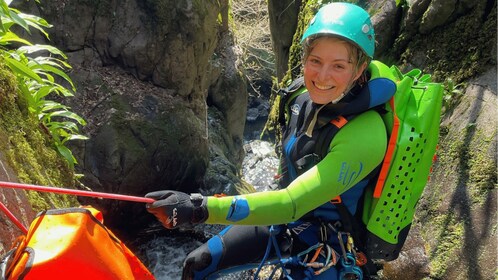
{"x": 461, "y": 50}
{"x": 448, "y": 242}
{"x": 7, "y": 88}
{"x": 467, "y": 157}
{"x": 29, "y": 149}
{"x": 474, "y": 162}
{"x": 482, "y": 168}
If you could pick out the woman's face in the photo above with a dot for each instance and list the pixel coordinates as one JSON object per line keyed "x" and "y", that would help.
{"x": 328, "y": 70}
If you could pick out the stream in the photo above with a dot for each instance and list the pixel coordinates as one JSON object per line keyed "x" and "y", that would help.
{"x": 167, "y": 250}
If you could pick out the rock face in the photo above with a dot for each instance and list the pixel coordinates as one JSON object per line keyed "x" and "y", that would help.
{"x": 283, "y": 23}
{"x": 12, "y": 200}
{"x": 146, "y": 73}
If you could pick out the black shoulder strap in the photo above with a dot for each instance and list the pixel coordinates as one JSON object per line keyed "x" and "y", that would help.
{"x": 356, "y": 229}
{"x": 329, "y": 132}
{"x": 285, "y": 94}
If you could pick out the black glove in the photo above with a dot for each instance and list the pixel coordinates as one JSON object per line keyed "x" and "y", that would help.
{"x": 176, "y": 209}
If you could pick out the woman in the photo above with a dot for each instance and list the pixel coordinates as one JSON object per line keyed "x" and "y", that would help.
{"x": 337, "y": 48}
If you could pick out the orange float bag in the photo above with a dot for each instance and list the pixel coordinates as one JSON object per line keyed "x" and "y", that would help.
{"x": 71, "y": 243}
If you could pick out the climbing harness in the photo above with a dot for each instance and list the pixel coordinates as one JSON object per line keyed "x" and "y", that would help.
{"x": 346, "y": 262}
{"x": 280, "y": 263}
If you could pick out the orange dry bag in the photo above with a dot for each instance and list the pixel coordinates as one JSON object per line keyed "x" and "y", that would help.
{"x": 71, "y": 243}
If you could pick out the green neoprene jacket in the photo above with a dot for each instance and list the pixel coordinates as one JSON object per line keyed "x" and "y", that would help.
{"x": 355, "y": 151}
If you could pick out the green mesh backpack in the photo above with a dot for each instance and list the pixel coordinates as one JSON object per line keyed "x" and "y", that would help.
{"x": 412, "y": 120}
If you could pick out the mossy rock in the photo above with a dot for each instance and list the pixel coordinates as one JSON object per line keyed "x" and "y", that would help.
{"x": 30, "y": 150}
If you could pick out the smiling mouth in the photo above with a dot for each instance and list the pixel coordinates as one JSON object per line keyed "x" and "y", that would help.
{"x": 323, "y": 87}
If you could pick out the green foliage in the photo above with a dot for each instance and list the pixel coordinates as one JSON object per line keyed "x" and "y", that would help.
{"x": 37, "y": 77}
{"x": 452, "y": 94}
{"x": 402, "y": 3}
{"x": 29, "y": 149}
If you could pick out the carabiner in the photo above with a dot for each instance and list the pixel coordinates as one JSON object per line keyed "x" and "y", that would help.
{"x": 349, "y": 270}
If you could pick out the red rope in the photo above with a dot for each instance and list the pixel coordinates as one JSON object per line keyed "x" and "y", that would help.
{"x": 75, "y": 192}
{"x": 62, "y": 191}
{"x": 13, "y": 218}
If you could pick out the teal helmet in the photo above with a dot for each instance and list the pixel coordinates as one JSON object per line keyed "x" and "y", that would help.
{"x": 346, "y": 21}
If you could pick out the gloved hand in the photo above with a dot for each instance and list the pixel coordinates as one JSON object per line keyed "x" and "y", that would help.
{"x": 177, "y": 209}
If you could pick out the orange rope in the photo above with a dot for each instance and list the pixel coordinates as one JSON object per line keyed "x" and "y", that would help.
{"x": 315, "y": 256}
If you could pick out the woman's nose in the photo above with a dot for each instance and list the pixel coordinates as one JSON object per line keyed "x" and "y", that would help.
{"x": 324, "y": 73}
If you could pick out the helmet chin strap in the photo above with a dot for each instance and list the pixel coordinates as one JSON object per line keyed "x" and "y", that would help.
{"x": 345, "y": 92}
{"x": 338, "y": 98}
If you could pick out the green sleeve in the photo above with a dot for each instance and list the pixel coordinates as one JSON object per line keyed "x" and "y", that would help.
{"x": 355, "y": 151}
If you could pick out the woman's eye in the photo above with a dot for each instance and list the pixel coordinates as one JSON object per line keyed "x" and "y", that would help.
{"x": 339, "y": 66}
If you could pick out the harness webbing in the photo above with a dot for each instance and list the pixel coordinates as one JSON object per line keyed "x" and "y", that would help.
{"x": 350, "y": 224}
{"x": 272, "y": 242}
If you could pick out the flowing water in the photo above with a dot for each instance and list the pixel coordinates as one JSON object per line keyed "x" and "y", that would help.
{"x": 166, "y": 251}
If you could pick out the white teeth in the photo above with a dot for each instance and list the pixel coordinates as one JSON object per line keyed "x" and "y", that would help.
{"x": 323, "y": 87}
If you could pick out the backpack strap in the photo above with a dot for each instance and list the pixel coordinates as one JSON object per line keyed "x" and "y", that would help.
{"x": 287, "y": 94}
{"x": 324, "y": 139}
{"x": 351, "y": 224}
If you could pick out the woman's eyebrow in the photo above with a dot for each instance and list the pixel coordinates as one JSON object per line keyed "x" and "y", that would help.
{"x": 334, "y": 60}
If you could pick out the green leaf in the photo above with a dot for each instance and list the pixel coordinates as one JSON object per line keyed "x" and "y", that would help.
{"x": 54, "y": 70}
{"x": 42, "y": 92}
{"x": 37, "y": 47}
{"x": 52, "y": 61}
{"x": 4, "y": 5}
{"x": 36, "y": 22}
{"x": 68, "y": 126}
{"x": 68, "y": 114}
{"x": 19, "y": 21}
{"x": 2, "y": 25}
{"x": 36, "y": 77}
{"x": 60, "y": 90}
{"x": 77, "y": 137}
{"x": 21, "y": 69}
{"x": 10, "y": 37}
{"x": 67, "y": 154}
{"x": 50, "y": 105}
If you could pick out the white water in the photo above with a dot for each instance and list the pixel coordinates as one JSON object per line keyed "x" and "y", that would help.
{"x": 165, "y": 254}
